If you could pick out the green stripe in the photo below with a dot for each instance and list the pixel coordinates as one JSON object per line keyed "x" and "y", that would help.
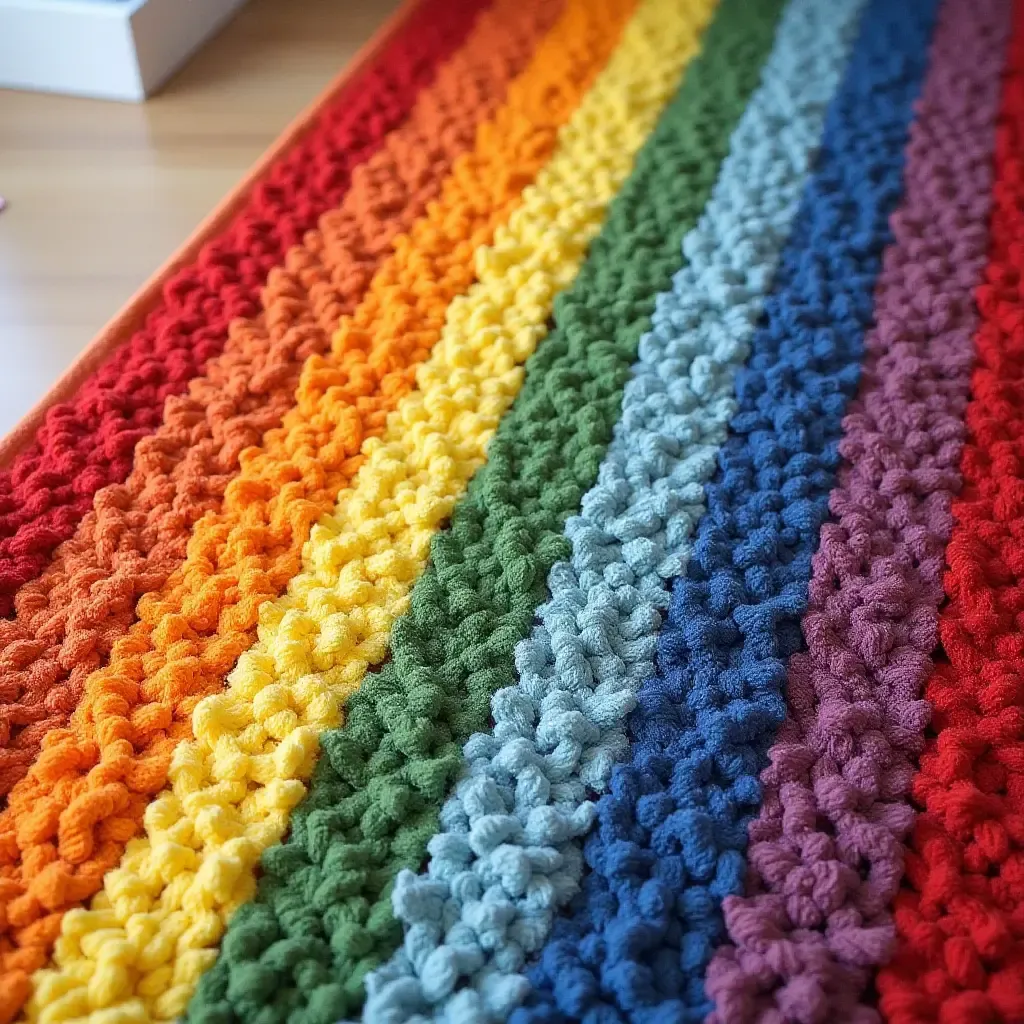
{"x": 322, "y": 916}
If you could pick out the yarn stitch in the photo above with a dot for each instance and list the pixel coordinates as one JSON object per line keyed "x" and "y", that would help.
{"x": 825, "y": 853}
{"x": 87, "y": 442}
{"x": 508, "y": 856}
{"x": 322, "y": 916}
{"x": 136, "y": 535}
{"x": 669, "y": 839}
{"x": 238, "y": 782}
{"x": 439, "y": 640}
{"x": 960, "y": 945}
{"x": 68, "y": 820}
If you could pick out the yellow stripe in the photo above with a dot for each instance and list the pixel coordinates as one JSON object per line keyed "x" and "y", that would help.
{"x": 139, "y": 952}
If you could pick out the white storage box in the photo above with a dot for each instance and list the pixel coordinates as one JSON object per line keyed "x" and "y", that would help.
{"x": 112, "y": 49}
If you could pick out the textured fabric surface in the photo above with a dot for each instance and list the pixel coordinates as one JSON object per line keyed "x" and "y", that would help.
{"x": 668, "y": 841}
{"x": 88, "y": 442}
{"x": 554, "y": 556}
{"x": 960, "y": 916}
{"x": 400, "y": 746}
{"x": 826, "y": 851}
{"x": 508, "y": 855}
{"x": 137, "y": 533}
{"x": 67, "y": 821}
{"x": 431, "y": 445}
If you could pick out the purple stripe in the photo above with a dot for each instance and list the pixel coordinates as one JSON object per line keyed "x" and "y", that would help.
{"x": 826, "y": 853}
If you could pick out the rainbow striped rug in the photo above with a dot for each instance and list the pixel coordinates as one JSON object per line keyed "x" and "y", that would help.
{"x": 550, "y": 548}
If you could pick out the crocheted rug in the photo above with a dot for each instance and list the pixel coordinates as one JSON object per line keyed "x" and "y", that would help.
{"x": 550, "y": 549}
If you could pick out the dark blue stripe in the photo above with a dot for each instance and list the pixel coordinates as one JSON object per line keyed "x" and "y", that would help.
{"x": 671, "y": 835}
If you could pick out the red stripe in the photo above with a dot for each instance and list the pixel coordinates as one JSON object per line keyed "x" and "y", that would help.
{"x": 88, "y": 442}
{"x": 960, "y": 916}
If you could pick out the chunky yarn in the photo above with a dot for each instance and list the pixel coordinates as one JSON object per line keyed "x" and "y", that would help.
{"x": 669, "y": 839}
{"x": 236, "y": 784}
{"x": 68, "y": 820}
{"x": 960, "y": 917}
{"x": 825, "y": 852}
{"x": 322, "y": 915}
{"x": 508, "y": 856}
{"x": 137, "y": 532}
{"x": 87, "y": 442}
{"x": 469, "y": 641}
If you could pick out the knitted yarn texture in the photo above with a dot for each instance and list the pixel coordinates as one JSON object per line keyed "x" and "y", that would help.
{"x": 68, "y": 820}
{"x": 377, "y": 792}
{"x": 537, "y": 560}
{"x": 87, "y": 442}
{"x": 137, "y": 533}
{"x": 361, "y": 562}
{"x": 825, "y": 852}
{"x": 960, "y": 945}
{"x": 508, "y": 855}
{"x": 669, "y": 839}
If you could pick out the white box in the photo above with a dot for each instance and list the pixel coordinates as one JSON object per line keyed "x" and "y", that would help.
{"x": 111, "y": 49}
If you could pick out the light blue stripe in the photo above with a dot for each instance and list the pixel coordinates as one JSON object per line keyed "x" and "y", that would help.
{"x": 510, "y": 854}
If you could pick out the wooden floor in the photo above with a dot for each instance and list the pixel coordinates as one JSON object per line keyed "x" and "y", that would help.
{"x": 100, "y": 194}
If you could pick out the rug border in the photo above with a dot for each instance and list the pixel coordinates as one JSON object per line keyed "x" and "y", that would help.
{"x": 133, "y": 313}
